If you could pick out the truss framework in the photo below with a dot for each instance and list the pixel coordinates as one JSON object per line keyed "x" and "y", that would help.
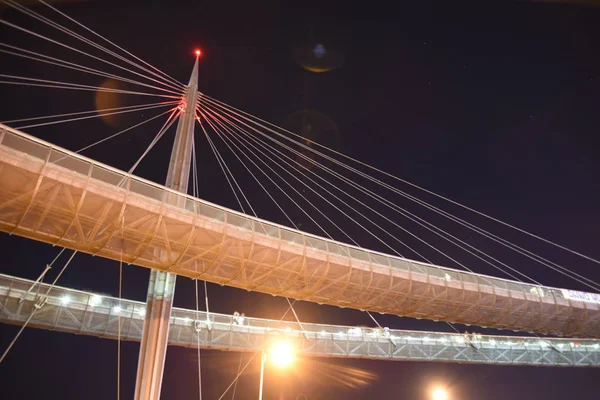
{"x": 86, "y": 313}
{"x": 52, "y": 195}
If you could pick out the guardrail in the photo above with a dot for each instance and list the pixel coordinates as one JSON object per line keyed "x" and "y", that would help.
{"x": 92, "y": 314}
{"x": 53, "y": 195}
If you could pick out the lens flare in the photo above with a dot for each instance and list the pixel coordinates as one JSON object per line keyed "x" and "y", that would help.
{"x": 282, "y": 354}
{"x": 330, "y": 373}
{"x": 440, "y": 394}
{"x": 108, "y": 97}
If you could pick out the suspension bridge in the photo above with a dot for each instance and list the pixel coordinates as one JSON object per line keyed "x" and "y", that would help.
{"x": 60, "y": 197}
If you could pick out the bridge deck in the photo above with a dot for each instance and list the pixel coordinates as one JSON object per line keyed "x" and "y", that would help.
{"x": 52, "y": 195}
{"x": 84, "y": 313}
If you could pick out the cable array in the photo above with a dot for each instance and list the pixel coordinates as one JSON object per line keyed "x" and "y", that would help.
{"x": 148, "y": 82}
{"x": 339, "y": 192}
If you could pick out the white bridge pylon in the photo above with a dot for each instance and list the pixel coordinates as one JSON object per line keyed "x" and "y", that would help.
{"x": 56, "y": 196}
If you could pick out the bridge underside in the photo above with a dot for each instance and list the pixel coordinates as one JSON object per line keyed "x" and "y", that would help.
{"x": 85, "y": 313}
{"x": 55, "y": 196}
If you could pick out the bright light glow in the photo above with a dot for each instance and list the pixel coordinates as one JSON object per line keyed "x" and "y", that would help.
{"x": 117, "y": 309}
{"x": 66, "y": 299}
{"x": 187, "y": 319}
{"x": 197, "y": 52}
{"x": 141, "y": 311}
{"x": 595, "y": 345}
{"x": 95, "y": 300}
{"x": 282, "y": 353}
{"x": 440, "y": 394}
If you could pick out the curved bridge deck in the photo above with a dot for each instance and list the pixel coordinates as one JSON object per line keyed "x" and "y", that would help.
{"x": 52, "y": 195}
{"x": 85, "y": 313}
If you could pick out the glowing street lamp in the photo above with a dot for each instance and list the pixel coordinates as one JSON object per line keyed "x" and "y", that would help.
{"x": 281, "y": 353}
{"x": 440, "y": 394}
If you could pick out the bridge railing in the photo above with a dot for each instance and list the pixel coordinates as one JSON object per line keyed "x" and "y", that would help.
{"x": 53, "y": 195}
{"x": 100, "y": 315}
{"x": 127, "y": 183}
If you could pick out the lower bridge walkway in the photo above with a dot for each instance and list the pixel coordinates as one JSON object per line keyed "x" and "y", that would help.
{"x": 85, "y": 313}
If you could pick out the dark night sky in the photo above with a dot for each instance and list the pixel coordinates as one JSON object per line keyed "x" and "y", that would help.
{"x": 494, "y": 106}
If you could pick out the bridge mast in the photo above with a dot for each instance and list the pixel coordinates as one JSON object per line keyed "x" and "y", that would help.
{"x": 161, "y": 288}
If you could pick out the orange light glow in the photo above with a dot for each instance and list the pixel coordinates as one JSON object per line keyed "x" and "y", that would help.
{"x": 440, "y": 394}
{"x": 282, "y": 354}
{"x": 197, "y": 52}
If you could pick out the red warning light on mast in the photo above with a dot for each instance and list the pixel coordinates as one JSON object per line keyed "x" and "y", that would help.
{"x": 197, "y": 52}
